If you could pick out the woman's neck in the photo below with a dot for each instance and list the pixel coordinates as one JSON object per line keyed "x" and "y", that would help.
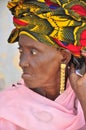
{"x": 51, "y": 91}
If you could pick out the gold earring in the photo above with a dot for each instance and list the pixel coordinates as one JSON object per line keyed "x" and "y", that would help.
{"x": 62, "y": 78}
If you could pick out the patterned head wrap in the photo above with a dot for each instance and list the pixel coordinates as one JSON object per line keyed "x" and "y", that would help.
{"x": 53, "y": 22}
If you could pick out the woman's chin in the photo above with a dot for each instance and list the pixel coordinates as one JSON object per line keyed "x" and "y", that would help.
{"x": 29, "y": 84}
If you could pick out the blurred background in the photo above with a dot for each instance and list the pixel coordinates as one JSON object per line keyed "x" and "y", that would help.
{"x": 10, "y": 71}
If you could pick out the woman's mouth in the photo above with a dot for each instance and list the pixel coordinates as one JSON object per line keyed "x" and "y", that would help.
{"x": 26, "y": 76}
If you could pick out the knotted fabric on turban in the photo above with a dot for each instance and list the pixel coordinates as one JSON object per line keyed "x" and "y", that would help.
{"x": 53, "y": 22}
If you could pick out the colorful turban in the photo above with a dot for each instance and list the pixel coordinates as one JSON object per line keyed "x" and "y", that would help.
{"x": 59, "y": 23}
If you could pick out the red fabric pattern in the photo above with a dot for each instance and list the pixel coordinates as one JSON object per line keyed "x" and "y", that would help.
{"x": 19, "y": 22}
{"x": 74, "y": 49}
{"x": 83, "y": 38}
{"x": 49, "y": 3}
{"x": 81, "y": 10}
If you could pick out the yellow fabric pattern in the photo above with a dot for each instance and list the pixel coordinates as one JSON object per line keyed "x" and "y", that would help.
{"x": 51, "y": 20}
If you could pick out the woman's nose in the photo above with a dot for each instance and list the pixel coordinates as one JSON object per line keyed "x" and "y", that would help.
{"x": 24, "y": 62}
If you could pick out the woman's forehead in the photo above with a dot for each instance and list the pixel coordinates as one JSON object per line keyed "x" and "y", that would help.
{"x": 27, "y": 41}
{"x": 24, "y": 39}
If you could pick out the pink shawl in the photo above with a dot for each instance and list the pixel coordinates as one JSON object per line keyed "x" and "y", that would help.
{"x": 23, "y": 109}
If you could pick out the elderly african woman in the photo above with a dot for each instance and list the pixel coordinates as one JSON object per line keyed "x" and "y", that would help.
{"x": 52, "y": 44}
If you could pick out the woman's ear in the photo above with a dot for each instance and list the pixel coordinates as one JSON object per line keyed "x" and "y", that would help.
{"x": 66, "y": 56}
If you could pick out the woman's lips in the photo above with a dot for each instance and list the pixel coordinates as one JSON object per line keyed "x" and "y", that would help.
{"x": 25, "y": 75}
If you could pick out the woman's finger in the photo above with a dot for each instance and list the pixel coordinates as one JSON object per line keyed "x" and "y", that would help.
{"x": 73, "y": 77}
{"x": 83, "y": 53}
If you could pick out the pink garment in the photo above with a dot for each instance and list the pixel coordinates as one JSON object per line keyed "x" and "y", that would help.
{"x": 23, "y": 109}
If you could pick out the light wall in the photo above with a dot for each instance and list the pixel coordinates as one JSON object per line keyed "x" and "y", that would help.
{"x": 9, "y": 56}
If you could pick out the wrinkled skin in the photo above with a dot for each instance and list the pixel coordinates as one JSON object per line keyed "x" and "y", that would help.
{"x": 41, "y": 66}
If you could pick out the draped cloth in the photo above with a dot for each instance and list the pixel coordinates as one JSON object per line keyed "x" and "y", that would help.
{"x": 23, "y": 109}
{"x": 59, "y": 23}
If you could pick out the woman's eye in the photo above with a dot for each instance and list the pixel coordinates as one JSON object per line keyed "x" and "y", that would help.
{"x": 33, "y": 51}
{"x": 20, "y": 50}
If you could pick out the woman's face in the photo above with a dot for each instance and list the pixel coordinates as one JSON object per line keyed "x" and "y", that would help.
{"x": 40, "y": 63}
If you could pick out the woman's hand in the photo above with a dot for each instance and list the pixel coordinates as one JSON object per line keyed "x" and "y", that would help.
{"x": 78, "y": 83}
